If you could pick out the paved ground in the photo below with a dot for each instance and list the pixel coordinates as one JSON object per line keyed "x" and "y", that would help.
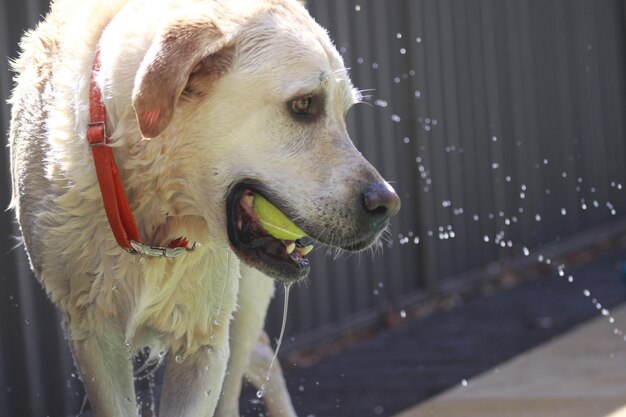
{"x": 581, "y": 374}
{"x": 414, "y": 362}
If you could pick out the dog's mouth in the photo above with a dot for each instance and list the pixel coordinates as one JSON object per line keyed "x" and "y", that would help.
{"x": 264, "y": 237}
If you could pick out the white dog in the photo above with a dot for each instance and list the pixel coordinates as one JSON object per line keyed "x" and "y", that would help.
{"x": 143, "y": 135}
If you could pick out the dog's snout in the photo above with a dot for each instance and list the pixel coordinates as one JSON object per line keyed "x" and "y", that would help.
{"x": 380, "y": 200}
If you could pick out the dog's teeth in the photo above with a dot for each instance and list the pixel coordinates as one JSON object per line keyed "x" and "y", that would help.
{"x": 290, "y": 247}
{"x": 305, "y": 250}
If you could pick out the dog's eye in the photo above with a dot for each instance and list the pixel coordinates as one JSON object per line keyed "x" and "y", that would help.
{"x": 306, "y": 109}
{"x": 301, "y": 105}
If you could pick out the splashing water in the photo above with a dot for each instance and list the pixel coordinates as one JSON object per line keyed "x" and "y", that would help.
{"x": 261, "y": 392}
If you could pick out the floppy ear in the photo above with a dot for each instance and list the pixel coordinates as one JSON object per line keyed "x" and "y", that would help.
{"x": 166, "y": 67}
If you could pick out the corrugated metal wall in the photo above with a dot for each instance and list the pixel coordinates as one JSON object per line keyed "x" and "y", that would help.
{"x": 501, "y": 123}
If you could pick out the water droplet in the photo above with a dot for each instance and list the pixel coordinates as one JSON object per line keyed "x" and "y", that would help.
{"x": 464, "y": 382}
{"x": 161, "y": 353}
{"x": 563, "y": 211}
{"x": 403, "y": 314}
{"x": 538, "y": 217}
{"x": 586, "y": 293}
{"x": 418, "y": 39}
{"x": 260, "y": 393}
{"x": 486, "y": 238}
{"x": 380, "y": 103}
{"x": 570, "y": 278}
{"x": 357, "y": 7}
{"x": 402, "y": 51}
{"x": 180, "y": 358}
{"x": 396, "y": 118}
{"x": 526, "y": 251}
{"x": 418, "y": 93}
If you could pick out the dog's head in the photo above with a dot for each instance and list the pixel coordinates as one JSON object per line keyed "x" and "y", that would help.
{"x": 259, "y": 94}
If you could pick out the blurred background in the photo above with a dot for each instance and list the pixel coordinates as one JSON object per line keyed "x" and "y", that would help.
{"x": 500, "y": 124}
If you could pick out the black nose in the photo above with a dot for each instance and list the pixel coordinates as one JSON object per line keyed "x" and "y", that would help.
{"x": 380, "y": 200}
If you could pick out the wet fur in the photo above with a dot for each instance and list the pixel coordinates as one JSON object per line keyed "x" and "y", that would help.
{"x": 195, "y": 93}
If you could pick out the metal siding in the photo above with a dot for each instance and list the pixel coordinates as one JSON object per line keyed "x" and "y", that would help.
{"x": 545, "y": 78}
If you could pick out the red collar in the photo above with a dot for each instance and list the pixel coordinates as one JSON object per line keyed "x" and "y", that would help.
{"x": 115, "y": 202}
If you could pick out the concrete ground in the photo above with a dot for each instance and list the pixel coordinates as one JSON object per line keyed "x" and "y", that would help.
{"x": 418, "y": 360}
{"x": 580, "y": 374}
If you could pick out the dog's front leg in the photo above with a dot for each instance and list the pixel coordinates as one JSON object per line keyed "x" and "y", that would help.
{"x": 192, "y": 386}
{"x": 255, "y": 293}
{"x": 104, "y": 361}
{"x": 251, "y": 355}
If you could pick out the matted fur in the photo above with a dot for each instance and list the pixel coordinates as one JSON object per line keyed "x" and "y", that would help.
{"x": 196, "y": 95}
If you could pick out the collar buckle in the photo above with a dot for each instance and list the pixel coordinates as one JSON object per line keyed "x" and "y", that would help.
{"x": 158, "y": 251}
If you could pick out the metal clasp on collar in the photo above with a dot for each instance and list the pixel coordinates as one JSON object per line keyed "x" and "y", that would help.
{"x": 158, "y": 251}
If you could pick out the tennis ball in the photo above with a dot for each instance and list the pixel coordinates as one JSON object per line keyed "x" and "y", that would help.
{"x": 274, "y": 221}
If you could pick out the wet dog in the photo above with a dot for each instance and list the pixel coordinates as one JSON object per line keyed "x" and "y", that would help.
{"x": 200, "y": 107}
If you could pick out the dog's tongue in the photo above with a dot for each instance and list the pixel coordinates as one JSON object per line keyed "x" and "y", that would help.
{"x": 274, "y": 221}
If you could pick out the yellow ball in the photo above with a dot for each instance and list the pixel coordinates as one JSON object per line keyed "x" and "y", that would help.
{"x": 274, "y": 221}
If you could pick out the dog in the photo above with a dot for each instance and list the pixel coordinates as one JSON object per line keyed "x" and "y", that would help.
{"x": 142, "y": 136}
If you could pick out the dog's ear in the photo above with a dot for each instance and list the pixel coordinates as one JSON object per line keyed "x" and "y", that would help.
{"x": 177, "y": 51}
